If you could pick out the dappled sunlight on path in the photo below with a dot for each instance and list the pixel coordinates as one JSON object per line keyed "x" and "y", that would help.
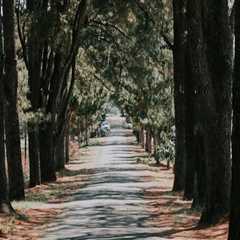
{"x": 121, "y": 199}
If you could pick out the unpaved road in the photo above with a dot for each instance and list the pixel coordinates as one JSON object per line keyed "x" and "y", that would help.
{"x": 120, "y": 199}
{"x": 112, "y": 203}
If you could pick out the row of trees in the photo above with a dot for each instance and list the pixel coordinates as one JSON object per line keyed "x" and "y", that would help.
{"x": 207, "y": 81}
{"x": 137, "y": 66}
{"x": 203, "y": 53}
{"x": 165, "y": 63}
{"x": 203, "y": 71}
{"x": 40, "y": 39}
{"x": 53, "y": 43}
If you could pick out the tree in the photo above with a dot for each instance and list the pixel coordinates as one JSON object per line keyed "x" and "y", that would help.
{"x": 49, "y": 51}
{"x": 234, "y": 225}
{"x": 3, "y": 179}
{"x": 138, "y": 71}
{"x": 179, "y": 56}
{"x": 4, "y": 195}
{"x": 195, "y": 80}
{"x": 15, "y": 172}
{"x": 219, "y": 45}
{"x": 211, "y": 68}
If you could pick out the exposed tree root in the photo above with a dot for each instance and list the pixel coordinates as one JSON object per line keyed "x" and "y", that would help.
{"x": 7, "y": 209}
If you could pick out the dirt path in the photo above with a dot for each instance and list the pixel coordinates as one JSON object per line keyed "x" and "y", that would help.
{"x": 122, "y": 199}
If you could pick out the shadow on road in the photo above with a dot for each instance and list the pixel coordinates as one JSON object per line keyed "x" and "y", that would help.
{"x": 120, "y": 199}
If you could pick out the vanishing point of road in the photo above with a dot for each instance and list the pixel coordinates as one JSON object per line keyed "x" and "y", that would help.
{"x": 115, "y": 202}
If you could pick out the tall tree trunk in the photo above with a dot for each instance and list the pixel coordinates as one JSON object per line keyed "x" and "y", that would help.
{"x": 219, "y": 45}
{"x": 189, "y": 134}
{"x": 3, "y": 179}
{"x": 67, "y": 142}
{"x": 234, "y": 225}
{"x": 15, "y": 170}
{"x": 211, "y": 65}
{"x": 148, "y": 141}
{"x": 4, "y": 198}
{"x": 5, "y": 205}
{"x": 200, "y": 172}
{"x": 179, "y": 102}
{"x": 34, "y": 155}
{"x": 155, "y": 142}
{"x": 60, "y": 153}
{"x": 86, "y": 136}
{"x": 34, "y": 50}
{"x": 142, "y": 136}
{"x": 47, "y": 163}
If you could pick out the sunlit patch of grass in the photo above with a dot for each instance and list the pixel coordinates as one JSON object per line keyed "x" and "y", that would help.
{"x": 45, "y": 196}
{"x": 37, "y": 197}
{"x": 7, "y": 225}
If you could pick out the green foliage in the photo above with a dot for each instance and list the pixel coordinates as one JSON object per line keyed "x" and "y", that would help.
{"x": 127, "y": 48}
{"x": 124, "y": 57}
{"x": 166, "y": 148}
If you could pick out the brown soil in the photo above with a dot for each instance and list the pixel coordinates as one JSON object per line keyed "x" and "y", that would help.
{"x": 170, "y": 212}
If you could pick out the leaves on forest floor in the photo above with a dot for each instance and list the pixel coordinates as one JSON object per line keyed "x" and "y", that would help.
{"x": 39, "y": 207}
{"x": 170, "y": 211}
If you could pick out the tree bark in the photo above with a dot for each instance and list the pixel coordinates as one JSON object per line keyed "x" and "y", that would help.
{"x": 142, "y": 136}
{"x": 219, "y": 48}
{"x": 200, "y": 172}
{"x": 47, "y": 162}
{"x": 34, "y": 81}
{"x": 179, "y": 102}
{"x": 156, "y": 144}
{"x": 34, "y": 155}
{"x": 67, "y": 142}
{"x": 234, "y": 224}
{"x": 15, "y": 170}
{"x": 189, "y": 134}
{"x": 211, "y": 65}
{"x": 60, "y": 153}
{"x": 148, "y": 143}
{"x": 3, "y": 179}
